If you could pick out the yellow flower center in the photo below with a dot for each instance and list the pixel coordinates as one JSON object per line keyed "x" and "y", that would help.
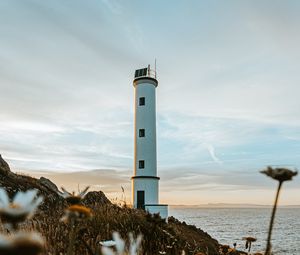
{"x": 82, "y": 210}
{"x": 14, "y": 206}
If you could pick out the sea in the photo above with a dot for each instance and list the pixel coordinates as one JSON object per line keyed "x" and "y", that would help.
{"x": 230, "y": 225}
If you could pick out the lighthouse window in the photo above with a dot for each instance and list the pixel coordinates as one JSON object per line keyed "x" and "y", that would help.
{"x": 141, "y": 132}
{"x": 141, "y": 164}
{"x": 142, "y": 101}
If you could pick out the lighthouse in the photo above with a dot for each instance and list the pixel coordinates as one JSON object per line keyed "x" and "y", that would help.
{"x": 145, "y": 182}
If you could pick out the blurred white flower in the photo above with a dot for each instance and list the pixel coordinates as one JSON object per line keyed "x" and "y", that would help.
{"x": 120, "y": 245}
{"x": 73, "y": 198}
{"x": 29, "y": 243}
{"x": 22, "y": 207}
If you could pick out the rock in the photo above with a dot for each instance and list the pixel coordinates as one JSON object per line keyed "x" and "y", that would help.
{"x": 49, "y": 184}
{"x": 95, "y": 197}
{"x": 4, "y": 167}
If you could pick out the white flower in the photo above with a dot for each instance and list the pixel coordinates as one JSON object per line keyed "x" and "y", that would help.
{"x": 29, "y": 243}
{"x": 120, "y": 245}
{"x": 21, "y": 208}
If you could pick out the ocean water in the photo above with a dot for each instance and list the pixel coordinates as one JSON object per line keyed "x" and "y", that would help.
{"x": 229, "y": 225}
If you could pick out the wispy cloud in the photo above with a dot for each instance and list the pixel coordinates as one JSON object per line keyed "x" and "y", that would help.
{"x": 212, "y": 153}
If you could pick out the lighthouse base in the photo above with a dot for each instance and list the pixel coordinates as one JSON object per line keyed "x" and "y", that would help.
{"x": 162, "y": 210}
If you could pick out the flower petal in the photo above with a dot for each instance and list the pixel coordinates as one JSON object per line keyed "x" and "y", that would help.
{"x": 66, "y": 193}
{"x": 25, "y": 198}
{"x": 4, "y": 200}
{"x": 4, "y": 241}
{"x": 34, "y": 205}
{"x": 83, "y": 193}
{"x": 134, "y": 244}
{"x": 108, "y": 243}
{"x": 107, "y": 251}
{"x": 120, "y": 244}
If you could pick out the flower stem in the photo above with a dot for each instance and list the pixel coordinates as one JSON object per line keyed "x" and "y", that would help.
{"x": 87, "y": 246}
{"x": 268, "y": 249}
{"x": 72, "y": 236}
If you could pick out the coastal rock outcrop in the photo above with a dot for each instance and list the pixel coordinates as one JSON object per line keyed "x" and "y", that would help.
{"x": 49, "y": 184}
{"x": 95, "y": 197}
{"x": 4, "y": 167}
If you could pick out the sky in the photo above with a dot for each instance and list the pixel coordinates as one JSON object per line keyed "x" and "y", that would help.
{"x": 227, "y": 101}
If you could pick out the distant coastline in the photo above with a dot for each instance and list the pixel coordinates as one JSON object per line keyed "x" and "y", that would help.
{"x": 229, "y": 205}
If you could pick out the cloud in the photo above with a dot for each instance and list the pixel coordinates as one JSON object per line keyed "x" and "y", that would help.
{"x": 228, "y": 85}
{"x": 205, "y": 179}
{"x": 239, "y": 143}
{"x": 107, "y": 143}
{"x": 189, "y": 186}
{"x": 212, "y": 153}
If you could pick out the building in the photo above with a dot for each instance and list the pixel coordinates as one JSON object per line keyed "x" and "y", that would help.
{"x": 145, "y": 182}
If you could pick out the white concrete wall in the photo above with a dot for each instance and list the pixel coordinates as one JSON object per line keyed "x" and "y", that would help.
{"x": 161, "y": 209}
{"x": 145, "y": 118}
{"x": 149, "y": 185}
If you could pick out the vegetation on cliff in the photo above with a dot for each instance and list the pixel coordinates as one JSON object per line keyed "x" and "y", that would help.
{"x": 159, "y": 237}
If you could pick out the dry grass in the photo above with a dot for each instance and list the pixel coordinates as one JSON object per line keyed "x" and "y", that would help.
{"x": 158, "y": 236}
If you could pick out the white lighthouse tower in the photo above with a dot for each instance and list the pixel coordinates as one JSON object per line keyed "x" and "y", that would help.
{"x": 145, "y": 188}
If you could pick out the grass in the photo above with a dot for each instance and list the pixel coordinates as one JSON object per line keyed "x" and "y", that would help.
{"x": 158, "y": 236}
